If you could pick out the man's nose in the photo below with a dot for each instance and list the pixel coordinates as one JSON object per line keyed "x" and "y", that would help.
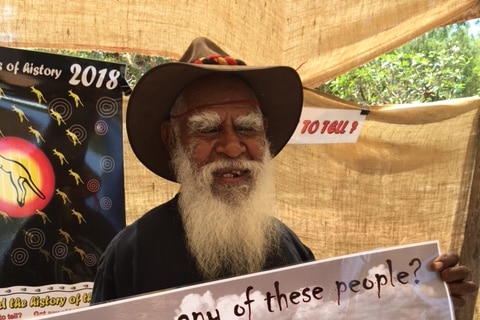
{"x": 230, "y": 144}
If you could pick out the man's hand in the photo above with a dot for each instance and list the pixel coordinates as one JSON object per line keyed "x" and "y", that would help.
{"x": 455, "y": 277}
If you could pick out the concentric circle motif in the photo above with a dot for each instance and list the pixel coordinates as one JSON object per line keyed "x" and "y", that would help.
{"x": 61, "y": 106}
{"x": 90, "y": 260}
{"x": 34, "y": 238}
{"x": 59, "y": 250}
{"x": 107, "y": 107}
{"x": 107, "y": 164}
{"x": 79, "y": 131}
{"x": 106, "y": 203}
{"x": 93, "y": 185}
{"x": 101, "y": 128}
{"x": 19, "y": 256}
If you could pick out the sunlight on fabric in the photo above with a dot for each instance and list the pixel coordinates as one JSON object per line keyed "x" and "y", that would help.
{"x": 6, "y": 34}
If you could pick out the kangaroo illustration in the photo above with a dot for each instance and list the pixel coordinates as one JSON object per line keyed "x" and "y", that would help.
{"x": 75, "y": 97}
{"x": 39, "y": 94}
{"x": 57, "y": 116}
{"x": 62, "y": 195}
{"x": 68, "y": 271}
{"x": 65, "y": 235}
{"x": 60, "y": 156}
{"x": 43, "y": 215}
{"x": 79, "y": 216}
{"x": 45, "y": 253}
{"x": 36, "y": 133}
{"x": 76, "y": 176}
{"x": 19, "y": 178}
{"x": 73, "y": 137}
{"x": 20, "y": 113}
{"x": 6, "y": 216}
{"x": 81, "y": 252}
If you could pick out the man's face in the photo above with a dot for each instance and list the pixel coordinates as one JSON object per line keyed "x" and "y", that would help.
{"x": 222, "y": 124}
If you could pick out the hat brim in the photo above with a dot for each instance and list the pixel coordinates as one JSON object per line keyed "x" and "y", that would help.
{"x": 278, "y": 90}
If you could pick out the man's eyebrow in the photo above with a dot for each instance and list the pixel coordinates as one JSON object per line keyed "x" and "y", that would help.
{"x": 202, "y": 121}
{"x": 252, "y": 120}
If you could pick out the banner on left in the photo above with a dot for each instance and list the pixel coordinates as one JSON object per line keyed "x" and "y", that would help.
{"x": 61, "y": 176}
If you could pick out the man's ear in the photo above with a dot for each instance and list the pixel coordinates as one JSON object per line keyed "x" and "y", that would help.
{"x": 167, "y": 135}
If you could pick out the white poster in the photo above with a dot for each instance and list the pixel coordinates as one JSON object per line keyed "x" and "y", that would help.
{"x": 317, "y": 126}
{"x": 393, "y": 283}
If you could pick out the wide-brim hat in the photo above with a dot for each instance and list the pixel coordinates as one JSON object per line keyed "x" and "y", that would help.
{"x": 278, "y": 90}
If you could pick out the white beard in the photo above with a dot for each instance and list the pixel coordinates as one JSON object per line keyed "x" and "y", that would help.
{"x": 229, "y": 230}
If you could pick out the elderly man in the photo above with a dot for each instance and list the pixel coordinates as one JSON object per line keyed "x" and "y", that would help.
{"x": 213, "y": 125}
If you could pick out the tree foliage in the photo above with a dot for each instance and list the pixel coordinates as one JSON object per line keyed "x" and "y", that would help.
{"x": 442, "y": 64}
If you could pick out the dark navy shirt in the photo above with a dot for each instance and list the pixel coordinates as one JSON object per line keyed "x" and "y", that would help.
{"x": 151, "y": 255}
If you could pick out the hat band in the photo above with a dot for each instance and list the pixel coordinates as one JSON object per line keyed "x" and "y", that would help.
{"x": 250, "y": 102}
{"x": 219, "y": 60}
